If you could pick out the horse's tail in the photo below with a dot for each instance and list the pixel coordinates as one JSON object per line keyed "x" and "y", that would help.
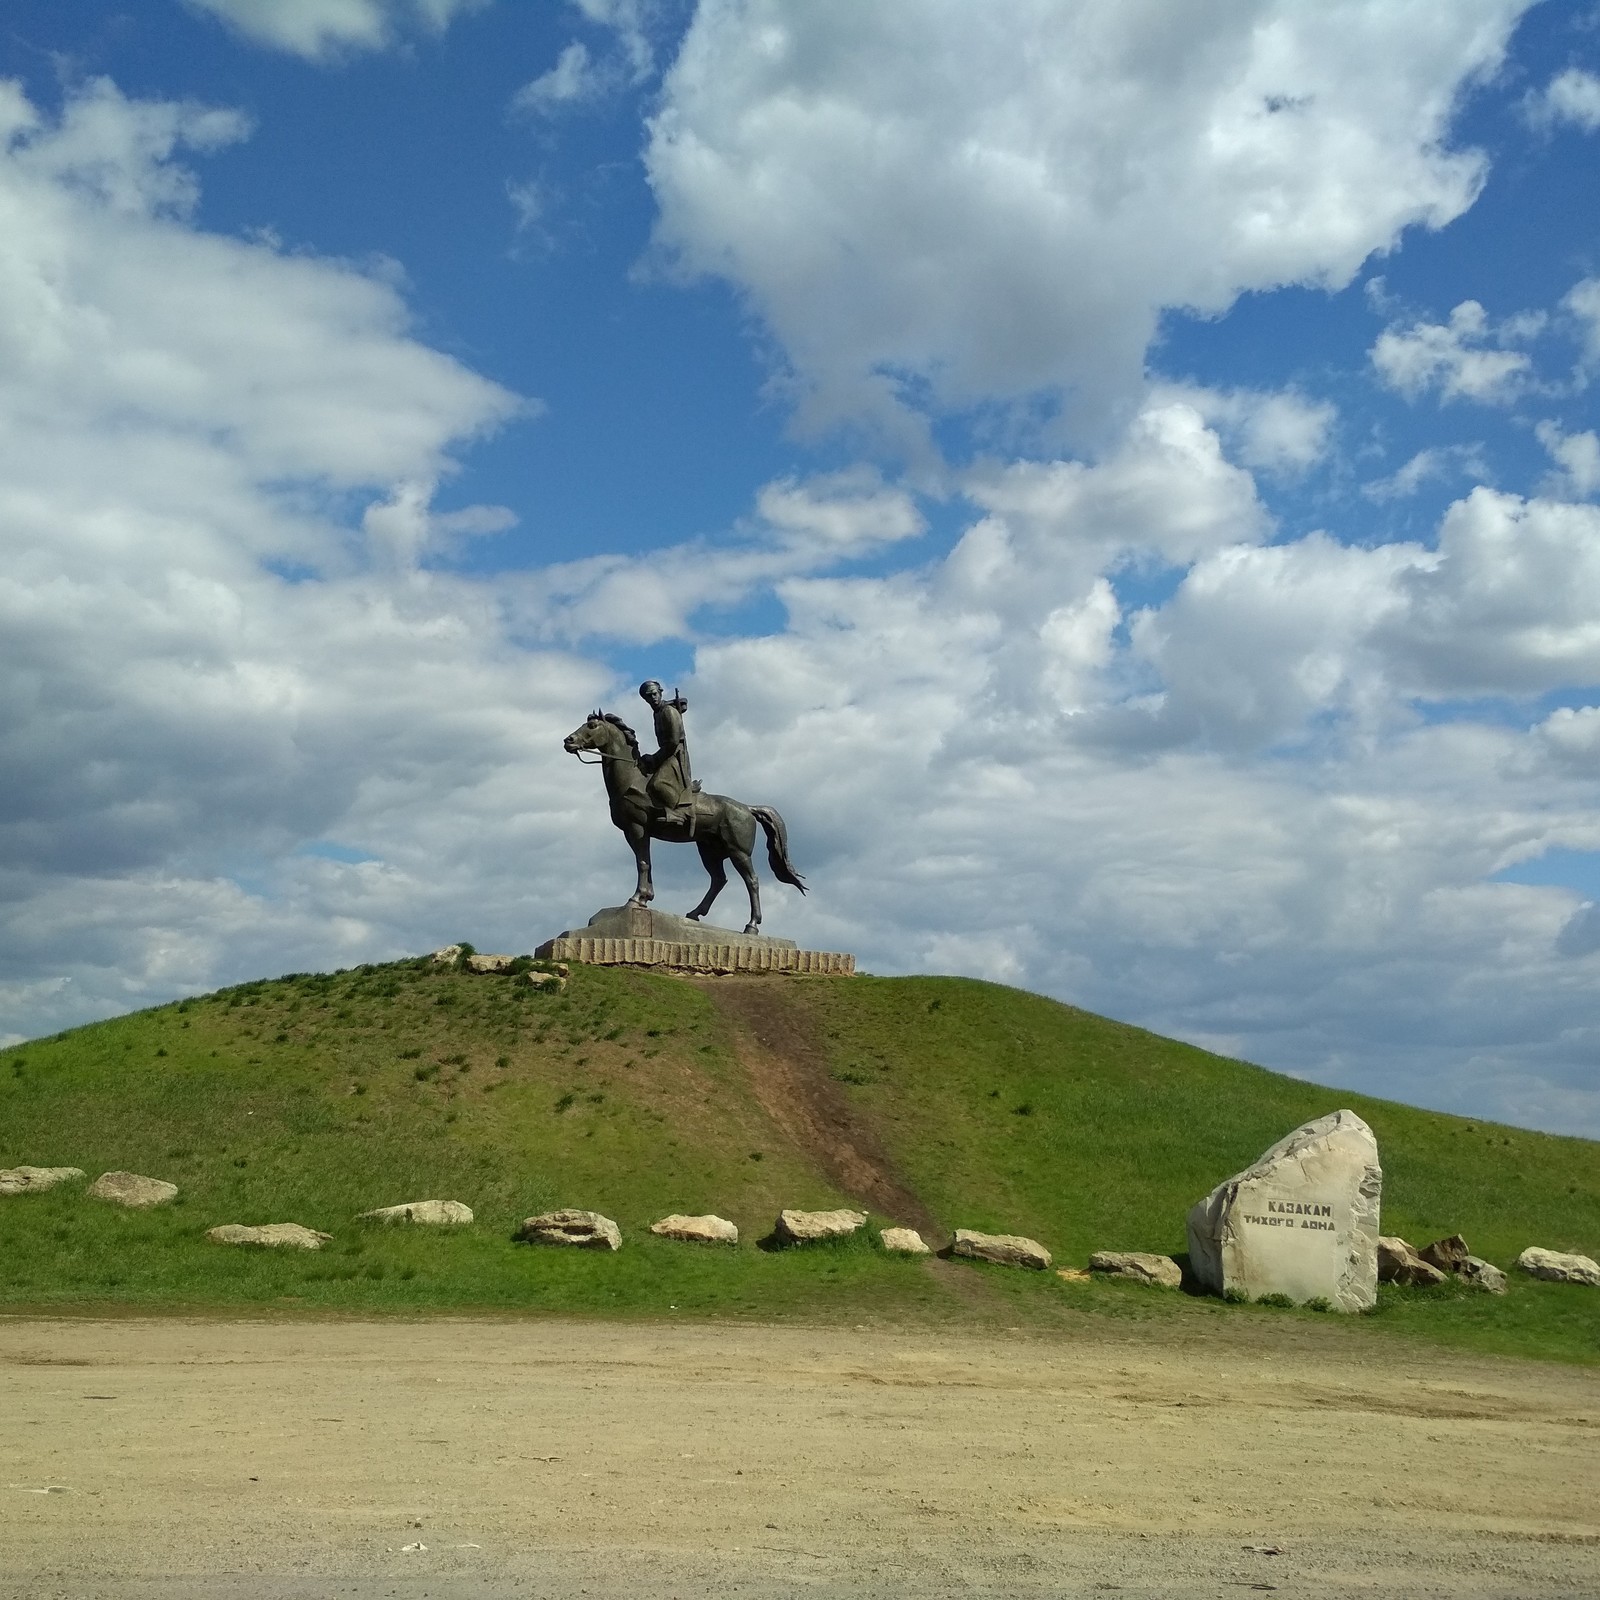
{"x": 777, "y": 846}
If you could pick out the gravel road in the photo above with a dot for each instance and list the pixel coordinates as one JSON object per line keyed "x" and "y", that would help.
{"x": 475, "y": 1460}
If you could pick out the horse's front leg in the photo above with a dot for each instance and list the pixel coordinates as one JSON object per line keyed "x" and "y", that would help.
{"x": 741, "y": 865}
{"x": 639, "y": 838}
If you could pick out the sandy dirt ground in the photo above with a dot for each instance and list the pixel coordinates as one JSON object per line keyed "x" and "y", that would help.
{"x": 452, "y": 1460}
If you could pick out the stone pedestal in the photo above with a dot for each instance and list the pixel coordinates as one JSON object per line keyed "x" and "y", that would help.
{"x": 638, "y": 937}
{"x": 1302, "y": 1221}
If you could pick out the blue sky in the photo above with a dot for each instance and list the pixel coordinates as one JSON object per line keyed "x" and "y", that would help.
{"x": 1121, "y": 481}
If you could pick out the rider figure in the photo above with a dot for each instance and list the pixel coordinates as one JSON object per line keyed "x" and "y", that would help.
{"x": 667, "y": 777}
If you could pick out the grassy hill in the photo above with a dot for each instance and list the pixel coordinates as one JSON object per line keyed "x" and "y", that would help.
{"x": 942, "y": 1102}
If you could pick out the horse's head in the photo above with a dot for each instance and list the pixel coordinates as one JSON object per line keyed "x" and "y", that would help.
{"x": 603, "y": 732}
{"x": 587, "y": 737}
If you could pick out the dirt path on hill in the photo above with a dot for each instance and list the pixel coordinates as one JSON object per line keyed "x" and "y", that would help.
{"x": 291, "y": 1460}
{"x": 778, "y": 1044}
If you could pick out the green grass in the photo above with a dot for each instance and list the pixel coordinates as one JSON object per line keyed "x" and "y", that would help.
{"x": 312, "y": 1098}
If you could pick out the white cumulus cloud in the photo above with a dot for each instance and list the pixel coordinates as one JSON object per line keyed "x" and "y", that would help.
{"x": 1430, "y": 465}
{"x": 1571, "y": 97}
{"x": 1459, "y": 358}
{"x": 317, "y": 29}
{"x": 1280, "y": 432}
{"x": 1582, "y": 303}
{"x": 1577, "y": 458}
{"x": 572, "y": 81}
{"x": 935, "y": 203}
{"x": 1510, "y": 602}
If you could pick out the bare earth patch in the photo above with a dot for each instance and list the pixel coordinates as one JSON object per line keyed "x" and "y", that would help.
{"x": 182, "y": 1459}
{"x": 776, "y": 1042}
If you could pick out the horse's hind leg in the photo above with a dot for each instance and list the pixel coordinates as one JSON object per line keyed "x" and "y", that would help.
{"x": 741, "y": 865}
{"x": 711, "y": 856}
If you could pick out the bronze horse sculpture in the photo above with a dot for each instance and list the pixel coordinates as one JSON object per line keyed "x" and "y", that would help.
{"x": 721, "y": 828}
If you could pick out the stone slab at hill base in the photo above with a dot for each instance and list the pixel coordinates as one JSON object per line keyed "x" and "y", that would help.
{"x": 801, "y": 1227}
{"x": 586, "y": 1230}
{"x": 1556, "y": 1266}
{"x": 35, "y": 1180}
{"x": 1138, "y": 1266}
{"x": 696, "y": 1230}
{"x": 1301, "y": 1221}
{"x": 435, "y": 1213}
{"x": 1448, "y": 1255}
{"x": 634, "y": 936}
{"x": 270, "y": 1235}
{"x": 1399, "y": 1263}
{"x": 129, "y": 1189}
{"x": 903, "y": 1242}
{"x": 1484, "y": 1274}
{"x": 1004, "y": 1249}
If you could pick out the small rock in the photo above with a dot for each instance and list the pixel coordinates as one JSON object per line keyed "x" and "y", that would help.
{"x": 450, "y": 953}
{"x": 903, "y": 1241}
{"x": 588, "y": 1230}
{"x": 129, "y": 1189}
{"x": 1448, "y": 1255}
{"x": 1139, "y": 1265}
{"x": 440, "y": 1212}
{"x": 489, "y": 963}
{"x": 1075, "y": 1274}
{"x": 1399, "y": 1263}
{"x": 1556, "y": 1266}
{"x": 1006, "y": 1249}
{"x": 546, "y": 980}
{"x": 802, "y": 1227}
{"x": 696, "y": 1230}
{"x": 1483, "y": 1273}
{"x": 273, "y": 1235}
{"x": 35, "y": 1180}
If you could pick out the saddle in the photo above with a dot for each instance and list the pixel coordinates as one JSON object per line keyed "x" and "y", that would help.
{"x": 699, "y": 807}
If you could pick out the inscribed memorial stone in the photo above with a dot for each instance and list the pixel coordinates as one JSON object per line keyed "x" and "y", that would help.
{"x": 1302, "y": 1221}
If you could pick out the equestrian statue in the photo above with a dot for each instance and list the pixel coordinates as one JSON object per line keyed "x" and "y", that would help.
{"x": 655, "y": 796}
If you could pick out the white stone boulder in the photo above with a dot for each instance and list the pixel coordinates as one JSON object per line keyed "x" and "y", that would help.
{"x": 1004, "y": 1249}
{"x": 586, "y": 1230}
{"x": 804, "y": 1227}
{"x": 35, "y": 1180}
{"x": 270, "y": 1235}
{"x": 1301, "y": 1221}
{"x": 437, "y": 1213}
{"x": 1138, "y": 1265}
{"x": 903, "y": 1242}
{"x": 545, "y": 980}
{"x": 696, "y": 1230}
{"x": 1399, "y": 1263}
{"x": 1556, "y": 1266}
{"x": 129, "y": 1189}
{"x": 448, "y": 956}
{"x": 1484, "y": 1274}
{"x": 481, "y": 963}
